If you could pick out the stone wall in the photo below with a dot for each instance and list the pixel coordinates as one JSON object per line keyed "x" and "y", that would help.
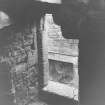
{"x": 23, "y": 61}
{"x": 23, "y": 64}
{"x": 62, "y": 60}
{"x": 25, "y": 70}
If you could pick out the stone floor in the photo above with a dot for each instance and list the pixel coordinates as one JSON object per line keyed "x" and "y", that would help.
{"x": 53, "y": 99}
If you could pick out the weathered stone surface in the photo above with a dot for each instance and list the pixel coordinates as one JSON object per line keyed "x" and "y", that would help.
{"x": 24, "y": 69}
{"x": 62, "y": 55}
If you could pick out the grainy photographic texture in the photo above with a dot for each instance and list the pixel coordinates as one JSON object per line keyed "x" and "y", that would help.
{"x": 52, "y": 52}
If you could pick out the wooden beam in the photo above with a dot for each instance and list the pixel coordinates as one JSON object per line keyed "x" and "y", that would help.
{"x": 51, "y": 1}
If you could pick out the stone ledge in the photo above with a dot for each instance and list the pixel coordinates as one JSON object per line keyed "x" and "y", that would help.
{"x": 62, "y": 90}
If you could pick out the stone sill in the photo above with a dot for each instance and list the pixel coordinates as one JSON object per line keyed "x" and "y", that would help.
{"x": 62, "y": 90}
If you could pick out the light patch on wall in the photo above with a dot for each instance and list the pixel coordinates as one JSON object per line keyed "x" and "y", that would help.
{"x": 4, "y": 19}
